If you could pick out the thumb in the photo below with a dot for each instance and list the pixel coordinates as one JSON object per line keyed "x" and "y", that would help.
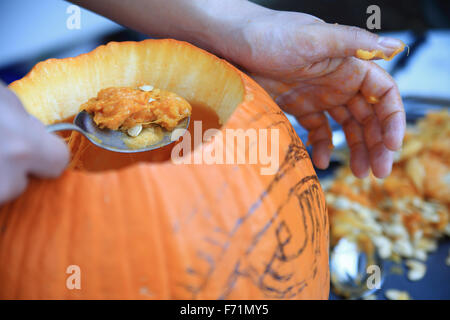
{"x": 45, "y": 154}
{"x": 50, "y": 153}
{"x": 340, "y": 41}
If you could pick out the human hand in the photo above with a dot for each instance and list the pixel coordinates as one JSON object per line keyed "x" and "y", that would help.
{"x": 310, "y": 68}
{"x": 26, "y": 148}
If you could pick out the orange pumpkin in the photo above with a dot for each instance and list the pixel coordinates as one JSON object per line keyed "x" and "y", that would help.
{"x": 156, "y": 229}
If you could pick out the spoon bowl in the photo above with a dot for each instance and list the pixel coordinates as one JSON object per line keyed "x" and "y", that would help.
{"x": 349, "y": 270}
{"x": 113, "y": 140}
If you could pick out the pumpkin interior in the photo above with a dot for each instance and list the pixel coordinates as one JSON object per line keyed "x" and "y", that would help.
{"x": 55, "y": 89}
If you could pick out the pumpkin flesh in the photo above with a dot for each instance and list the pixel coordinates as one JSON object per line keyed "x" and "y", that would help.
{"x": 124, "y": 108}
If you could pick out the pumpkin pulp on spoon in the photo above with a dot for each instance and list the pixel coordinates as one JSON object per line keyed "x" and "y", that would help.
{"x": 141, "y": 112}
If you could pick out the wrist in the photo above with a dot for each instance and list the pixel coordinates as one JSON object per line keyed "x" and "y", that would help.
{"x": 220, "y": 28}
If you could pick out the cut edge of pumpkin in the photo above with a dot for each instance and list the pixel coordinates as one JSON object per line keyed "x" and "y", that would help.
{"x": 154, "y": 60}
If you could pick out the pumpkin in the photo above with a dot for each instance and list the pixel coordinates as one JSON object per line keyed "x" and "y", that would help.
{"x": 152, "y": 228}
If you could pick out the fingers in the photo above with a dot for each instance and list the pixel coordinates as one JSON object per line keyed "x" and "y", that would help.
{"x": 365, "y": 138}
{"x": 380, "y": 88}
{"x": 340, "y": 41}
{"x": 392, "y": 118}
{"x": 381, "y": 158}
{"x": 372, "y": 89}
{"x": 365, "y": 100}
{"x": 394, "y": 127}
{"x": 319, "y": 137}
{"x": 360, "y": 109}
{"x": 13, "y": 182}
{"x": 50, "y": 154}
{"x": 359, "y": 155}
{"x": 298, "y": 101}
{"x": 354, "y": 134}
{"x": 18, "y": 159}
{"x": 10, "y": 103}
{"x": 300, "y": 105}
{"x": 26, "y": 148}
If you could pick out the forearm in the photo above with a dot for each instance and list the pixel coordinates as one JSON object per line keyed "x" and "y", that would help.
{"x": 206, "y": 23}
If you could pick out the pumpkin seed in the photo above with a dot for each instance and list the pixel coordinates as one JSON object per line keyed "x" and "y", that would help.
{"x": 135, "y": 131}
{"x": 416, "y": 270}
{"x": 394, "y": 294}
{"x": 146, "y": 88}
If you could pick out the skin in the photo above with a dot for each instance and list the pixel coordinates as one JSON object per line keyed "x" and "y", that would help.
{"x": 26, "y": 148}
{"x": 307, "y": 65}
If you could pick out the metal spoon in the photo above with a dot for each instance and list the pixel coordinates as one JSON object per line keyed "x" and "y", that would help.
{"x": 348, "y": 269}
{"x": 112, "y": 139}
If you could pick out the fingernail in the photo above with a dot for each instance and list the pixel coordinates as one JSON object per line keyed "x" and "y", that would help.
{"x": 390, "y": 43}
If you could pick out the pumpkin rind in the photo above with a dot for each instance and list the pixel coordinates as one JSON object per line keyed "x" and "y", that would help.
{"x": 161, "y": 230}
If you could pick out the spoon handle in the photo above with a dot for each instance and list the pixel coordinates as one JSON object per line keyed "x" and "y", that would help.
{"x": 63, "y": 127}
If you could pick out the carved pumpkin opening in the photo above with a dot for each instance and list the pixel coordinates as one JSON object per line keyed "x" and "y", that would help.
{"x": 211, "y": 86}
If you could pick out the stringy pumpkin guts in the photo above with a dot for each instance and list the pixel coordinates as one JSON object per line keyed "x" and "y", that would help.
{"x": 372, "y": 100}
{"x": 123, "y": 108}
{"x": 369, "y": 55}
